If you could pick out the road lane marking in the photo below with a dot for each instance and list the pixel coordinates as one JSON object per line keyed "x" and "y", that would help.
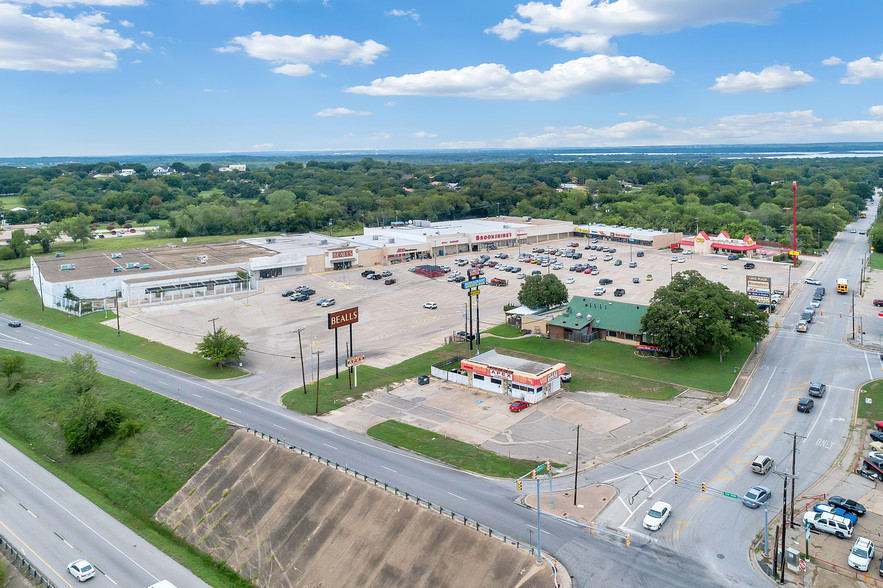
{"x": 163, "y": 383}
{"x": 331, "y": 446}
{"x": 772, "y": 429}
{"x": 239, "y": 411}
{"x": 37, "y": 555}
{"x": 630, "y": 511}
{"x": 532, "y": 527}
{"x": 197, "y": 395}
{"x": 390, "y": 469}
{"x": 133, "y": 372}
{"x": 681, "y": 528}
{"x": 279, "y": 426}
{"x": 460, "y": 497}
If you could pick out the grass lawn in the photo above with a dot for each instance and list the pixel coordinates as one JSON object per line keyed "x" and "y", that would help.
{"x": 456, "y": 453}
{"x": 876, "y": 260}
{"x": 21, "y": 301}
{"x": 504, "y": 330}
{"x": 871, "y": 412}
{"x": 10, "y": 202}
{"x": 131, "y": 478}
{"x": 115, "y": 244}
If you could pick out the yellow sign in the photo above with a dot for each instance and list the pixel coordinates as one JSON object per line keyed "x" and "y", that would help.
{"x": 474, "y": 292}
{"x": 794, "y": 253}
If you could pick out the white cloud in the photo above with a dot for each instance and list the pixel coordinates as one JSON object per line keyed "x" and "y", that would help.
{"x": 340, "y": 111}
{"x": 585, "y": 43}
{"x": 775, "y": 78}
{"x": 766, "y": 127}
{"x": 55, "y": 43}
{"x": 876, "y": 112}
{"x": 390, "y": 103}
{"x": 293, "y": 69}
{"x": 381, "y": 136}
{"x": 411, "y": 12}
{"x": 598, "y": 74}
{"x": 604, "y": 19}
{"x": 294, "y": 53}
{"x": 832, "y": 61}
{"x": 424, "y": 135}
{"x": 863, "y": 69}
{"x": 147, "y": 33}
{"x": 126, "y": 23}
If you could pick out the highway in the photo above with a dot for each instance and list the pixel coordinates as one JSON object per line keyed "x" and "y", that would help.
{"x": 706, "y": 539}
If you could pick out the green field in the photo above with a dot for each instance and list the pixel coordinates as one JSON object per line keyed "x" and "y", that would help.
{"x": 131, "y": 478}
{"x": 22, "y": 302}
{"x": 872, "y": 412}
{"x": 876, "y": 261}
{"x": 450, "y": 451}
{"x": 10, "y": 202}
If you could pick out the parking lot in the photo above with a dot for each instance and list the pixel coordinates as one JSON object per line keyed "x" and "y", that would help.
{"x": 393, "y": 325}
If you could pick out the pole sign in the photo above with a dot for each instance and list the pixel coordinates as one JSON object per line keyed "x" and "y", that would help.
{"x": 758, "y": 288}
{"x": 473, "y": 283}
{"x": 355, "y": 360}
{"x": 474, "y": 292}
{"x": 341, "y": 318}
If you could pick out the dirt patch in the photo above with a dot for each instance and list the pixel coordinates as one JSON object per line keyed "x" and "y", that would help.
{"x": 281, "y": 519}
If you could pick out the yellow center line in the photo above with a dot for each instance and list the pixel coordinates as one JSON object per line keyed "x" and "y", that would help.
{"x": 681, "y": 528}
{"x": 60, "y": 577}
{"x": 773, "y": 429}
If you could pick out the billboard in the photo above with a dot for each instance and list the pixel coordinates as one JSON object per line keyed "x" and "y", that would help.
{"x": 341, "y": 318}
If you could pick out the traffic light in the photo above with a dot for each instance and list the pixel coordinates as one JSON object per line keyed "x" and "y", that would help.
{"x": 533, "y": 475}
{"x": 677, "y": 478}
{"x": 518, "y": 484}
{"x": 549, "y": 466}
{"x": 703, "y": 486}
{"x": 628, "y": 540}
{"x": 592, "y": 527}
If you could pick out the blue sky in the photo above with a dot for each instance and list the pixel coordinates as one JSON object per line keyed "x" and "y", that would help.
{"x": 113, "y": 77}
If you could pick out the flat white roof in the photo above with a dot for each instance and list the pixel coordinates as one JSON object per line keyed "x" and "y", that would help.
{"x": 516, "y": 364}
{"x": 306, "y": 244}
{"x": 633, "y": 232}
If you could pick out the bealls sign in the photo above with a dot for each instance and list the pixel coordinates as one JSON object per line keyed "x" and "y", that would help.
{"x": 342, "y": 318}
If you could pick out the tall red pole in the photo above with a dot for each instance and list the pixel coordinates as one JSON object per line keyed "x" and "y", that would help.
{"x": 794, "y": 234}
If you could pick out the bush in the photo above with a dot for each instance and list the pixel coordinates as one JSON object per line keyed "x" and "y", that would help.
{"x": 128, "y": 428}
{"x": 82, "y": 434}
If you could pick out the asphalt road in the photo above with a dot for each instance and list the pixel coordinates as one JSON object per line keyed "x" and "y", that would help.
{"x": 707, "y": 538}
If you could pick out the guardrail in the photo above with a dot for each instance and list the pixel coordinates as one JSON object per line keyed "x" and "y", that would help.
{"x": 23, "y": 565}
{"x": 441, "y": 510}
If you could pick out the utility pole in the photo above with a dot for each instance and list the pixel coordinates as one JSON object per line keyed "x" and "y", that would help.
{"x": 317, "y": 381}
{"x": 783, "y": 543}
{"x": 794, "y": 437}
{"x": 300, "y": 346}
{"x": 214, "y": 327}
{"x": 116, "y": 309}
{"x": 576, "y": 467}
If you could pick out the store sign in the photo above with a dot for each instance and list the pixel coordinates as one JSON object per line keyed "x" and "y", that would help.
{"x": 355, "y": 360}
{"x": 406, "y": 250}
{"x": 502, "y": 373}
{"x": 699, "y": 239}
{"x": 341, "y": 318}
{"x": 493, "y": 236}
{"x": 343, "y": 254}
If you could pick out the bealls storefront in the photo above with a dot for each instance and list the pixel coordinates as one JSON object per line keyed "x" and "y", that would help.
{"x": 340, "y": 259}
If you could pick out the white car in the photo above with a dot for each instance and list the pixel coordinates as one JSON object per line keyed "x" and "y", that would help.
{"x": 657, "y": 515}
{"x": 430, "y": 305}
{"x": 861, "y": 555}
{"x": 681, "y": 260}
{"x": 815, "y": 303}
{"x": 328, "y": 302}
{"x": 520, "y": 276}
{"x": 569, "y": 280}
{"x": 81, "y": 569}
{"x": 813, "y": 281}
{"x": 724, "y": 266}
{"x": 599, "y": 290}
{"x": 592, "y": 257}
{"x": 608, "y": 258}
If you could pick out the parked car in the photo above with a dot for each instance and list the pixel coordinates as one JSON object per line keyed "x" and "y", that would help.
{"x": 657, "y": 515}
{"x": 599, "y": 291}
{"x": 633, "y": 264}
{"x": 732, "y": 257}
{"x": 81, "y": 569}
{"x": 756, "y": 496}
{"x": 878, "y": 302}
{"x": 619, "y": 292}
{"x": 723, "y": 266}
{"x": 817, "y": 389}
{"x": 877, "y": 436}
{"x": 367, "y": 273}
{"x": 389, "y": 281}
{"x": 570, "y": 280}
{"x": 287, "y": 293}
{"x": 636, "y": 280}
{"x": 805, "y": 405}
{"x": 822, "y": 507}
{"x": 430, "y": 305}
{"x": 299, "y": 298}
{"x": 605, "y": 281}
{"x": 328, "y": 302}
{"x": 847, "y": 504}
{"x": 829, "y": 523}
{"x": 618, "y": 262}
{"x": 608, "y": 258}
{"x": 320, "y": 301}
{"x": 518, "y": 405}
{"x": 861, "y": 555}
{"x": 762, "y": 464}
{"x": 639, "y": 254}
{"x": 749, "y": 265}
{"x": 649, "y": 277}
{"x": 387, "y": 273}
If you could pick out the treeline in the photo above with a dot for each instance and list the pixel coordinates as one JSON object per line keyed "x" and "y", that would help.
{"x": 742, "y": 197}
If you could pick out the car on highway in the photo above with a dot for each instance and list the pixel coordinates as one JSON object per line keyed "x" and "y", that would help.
{"x": 328, "y": 302}
{"x": 847, "y": 504}
{"x": 805, "y": 405}
{"x": 815, "y": 303}
{"x": 861, "y": 555}
{"x": 518, "y": 405}
{"x": 852, "y": 230}
{"x": 812, "y": 281}
{"x": 15, "y": 323}
{"x": 762, "y": 464}
{"x": 430, "y": 305}
{"x": 81, "y": 569}
{"x": 756, "y": 496}
{"x": 817, "y": 389}
{"x": 657, "y": 515}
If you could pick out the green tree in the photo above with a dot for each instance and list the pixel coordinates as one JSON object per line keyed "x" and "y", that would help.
{"x": 45, "y": 236}
{"x": 542, "y": 291}
{"x": 78, "y": 228}
{"x": 6, "y": 279}
{"x": 693, "y": 314}
{"x": 82, "y": 372}
{"x": 11, "y": 365}
{"x": 18, "y": 242}
{"x": 220, "y": 346}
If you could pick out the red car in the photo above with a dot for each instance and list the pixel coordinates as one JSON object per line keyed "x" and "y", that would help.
{"x": 518, "y": 405}
{"x": 878, "y": 302}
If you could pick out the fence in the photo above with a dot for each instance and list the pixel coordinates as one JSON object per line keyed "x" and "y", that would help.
{"x": 23, "y": 565}
{"x": 408, "y": 497}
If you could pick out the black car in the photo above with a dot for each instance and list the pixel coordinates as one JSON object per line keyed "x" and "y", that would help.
{"x": 805, "y": 405}
{"x": 732, "y": 257}
{"x": 877, "y": 436}
{"x": 619, "y": 292}
{"x": 367, "y": 273}
{"x": 748, "y": 265}
{"x": 287, "y": 293}
{"x": 639, "y": 254}
{"x": 847, "y": 505}
{"x": 308, "y": 291}
{"x": 605, "y": 281}
{"x": 375, "y": 277}
{"x": 14, "y": 323}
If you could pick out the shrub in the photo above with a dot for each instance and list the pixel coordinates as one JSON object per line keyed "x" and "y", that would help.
{"x": 128, "y": 428}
